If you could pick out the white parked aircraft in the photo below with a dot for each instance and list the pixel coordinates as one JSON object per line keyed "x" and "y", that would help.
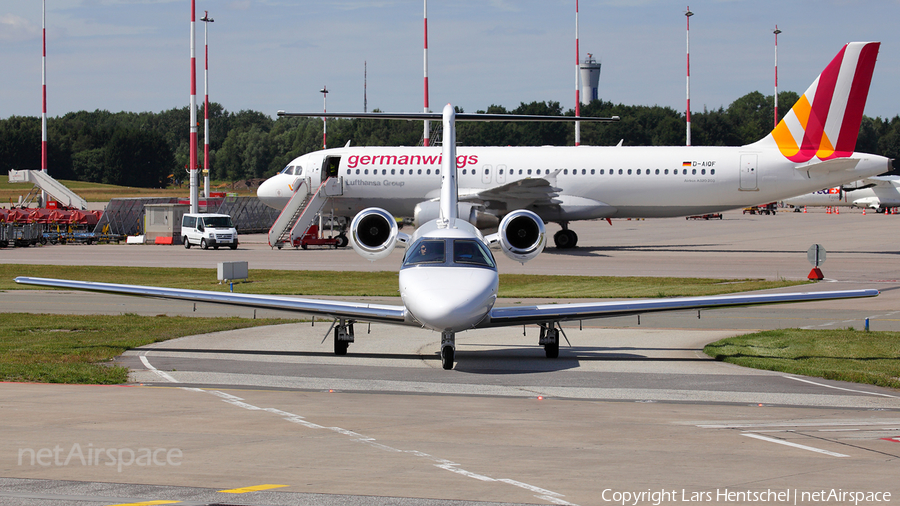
{"x": 448, "y": 277}
{"x": 811, "y": 148}
{"x": 877, "y": 193}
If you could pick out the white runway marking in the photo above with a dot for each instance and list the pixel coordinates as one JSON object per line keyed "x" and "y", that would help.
{"x": 546, "y": 495}
{"x": 794, "y": 445}
{"x": 161, "y": 374}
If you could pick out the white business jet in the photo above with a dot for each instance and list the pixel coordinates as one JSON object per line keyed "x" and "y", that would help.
{"x": 811, "y": 148}
{"x": 448, "y": 277}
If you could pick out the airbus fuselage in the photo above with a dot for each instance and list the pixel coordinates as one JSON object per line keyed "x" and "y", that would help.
{"x": 590, "y": 182}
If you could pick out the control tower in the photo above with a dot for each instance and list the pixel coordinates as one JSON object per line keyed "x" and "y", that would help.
{"x": 590, "y": 79}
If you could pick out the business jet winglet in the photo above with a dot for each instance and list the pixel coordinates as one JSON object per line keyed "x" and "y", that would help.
{"x": 448, "y": 277}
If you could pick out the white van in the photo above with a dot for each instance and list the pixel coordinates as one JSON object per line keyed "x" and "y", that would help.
{"x": 207, "y": 230}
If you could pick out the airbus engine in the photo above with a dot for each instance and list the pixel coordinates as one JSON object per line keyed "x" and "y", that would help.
{"x": 473, "y": 213}
{"x": 373, "y": 233}
{"x": 522, "y": 235}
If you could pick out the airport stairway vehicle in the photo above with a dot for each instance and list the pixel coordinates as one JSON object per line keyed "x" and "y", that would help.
{"x": 301, "y": 211}
{"x": 53, "y": 187}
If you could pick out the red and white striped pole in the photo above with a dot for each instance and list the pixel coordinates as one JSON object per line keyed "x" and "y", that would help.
{"x": 206, "y": 20}
{"x": 193, "y": 157}
{"x": 577, "y": 81}
{"x": 425, "y": 139}
{"x": 776, "y": 32}
{"x": 688, "y": 15}
{"x": 44, "y": 94}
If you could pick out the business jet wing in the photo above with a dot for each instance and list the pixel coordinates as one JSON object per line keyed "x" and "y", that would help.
{"x": 327, "y": 308}
{"x": 521, "y": 315}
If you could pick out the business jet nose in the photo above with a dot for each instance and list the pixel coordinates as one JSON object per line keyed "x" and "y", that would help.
{"x": 448, "y": 298}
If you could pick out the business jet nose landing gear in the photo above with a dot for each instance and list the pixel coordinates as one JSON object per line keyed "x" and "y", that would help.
{"x": 448, "y": 348}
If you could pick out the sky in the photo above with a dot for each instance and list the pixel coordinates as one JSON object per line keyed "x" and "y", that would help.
{"x": 270, "y": 55}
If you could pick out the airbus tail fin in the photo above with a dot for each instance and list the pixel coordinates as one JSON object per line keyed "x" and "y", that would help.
{"x": 825, "y": 122}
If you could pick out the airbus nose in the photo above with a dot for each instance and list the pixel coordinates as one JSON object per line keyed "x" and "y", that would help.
{"x": 275, "y": 191}
{"x": 448, "y": 298}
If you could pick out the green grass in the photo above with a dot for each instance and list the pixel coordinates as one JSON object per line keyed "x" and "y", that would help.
{"x": 76, "y": 348}
{"x": 350, "y": 284}
{"x": 845, "y": 355}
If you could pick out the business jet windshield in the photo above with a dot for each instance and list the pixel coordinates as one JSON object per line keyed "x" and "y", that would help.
{"x": 465, "y": 252}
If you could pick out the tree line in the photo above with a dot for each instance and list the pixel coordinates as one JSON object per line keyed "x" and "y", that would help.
{"x": 150, "y": 149}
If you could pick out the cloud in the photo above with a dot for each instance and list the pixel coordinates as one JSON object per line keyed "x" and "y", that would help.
{"x": 15, "y": 28}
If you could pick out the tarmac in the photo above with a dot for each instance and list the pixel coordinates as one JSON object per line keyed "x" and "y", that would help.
{"x": 631, "y": 413}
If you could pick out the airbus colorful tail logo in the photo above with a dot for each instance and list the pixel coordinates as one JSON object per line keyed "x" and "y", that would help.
{"x": 825, "y": 121}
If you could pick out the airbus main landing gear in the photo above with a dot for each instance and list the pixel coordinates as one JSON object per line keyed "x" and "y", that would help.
{"x": 550, "y": 340}
{"x": 343, "y": 336}
{"x": 448, "y": 349}
{"x": 565, "y": 238}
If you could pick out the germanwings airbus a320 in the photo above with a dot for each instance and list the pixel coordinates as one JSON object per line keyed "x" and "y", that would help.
{"x": 810, "y": 149}
{"x": 448, "y": 277}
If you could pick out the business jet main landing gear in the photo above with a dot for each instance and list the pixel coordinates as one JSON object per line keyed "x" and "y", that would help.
{"x": 448, "y": 349}
{"x": 565, "y": 238}
{"x": 343, "y": 336}
{"x": 550, "y": 340}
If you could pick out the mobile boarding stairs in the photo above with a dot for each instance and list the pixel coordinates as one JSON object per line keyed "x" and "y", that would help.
{"x": 302, "y": 209}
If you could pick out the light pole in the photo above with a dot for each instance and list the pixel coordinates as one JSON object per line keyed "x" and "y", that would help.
{"x": 425, "y": 138}
{"x": 577, "y": 82}
{"x": 776, "y": 32}
{"x": 688, "y": 15}
{"x": 206, "y": 20}
{"x": 324, "y": 92}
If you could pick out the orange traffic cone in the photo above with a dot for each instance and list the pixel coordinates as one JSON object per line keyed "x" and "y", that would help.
{"x": 828, "y": 210}
{"x": 837, "y": 210}
{"x": 804, "y": 209}
{"x": 864, "y": 211}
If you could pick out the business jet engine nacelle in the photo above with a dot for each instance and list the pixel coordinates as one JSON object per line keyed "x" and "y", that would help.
{"x": 374, "y": 233}
{"x": 522, "y": 235}
{"x": 471, "y": 212}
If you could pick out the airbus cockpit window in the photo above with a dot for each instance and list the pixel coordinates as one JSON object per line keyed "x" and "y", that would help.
{"x": 426, "y": 252}
{"x": 471, "y": 252}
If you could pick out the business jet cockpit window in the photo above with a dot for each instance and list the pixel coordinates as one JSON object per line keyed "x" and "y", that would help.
{"x": 428, "y": 251}
{"x": 472, "y": 252}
